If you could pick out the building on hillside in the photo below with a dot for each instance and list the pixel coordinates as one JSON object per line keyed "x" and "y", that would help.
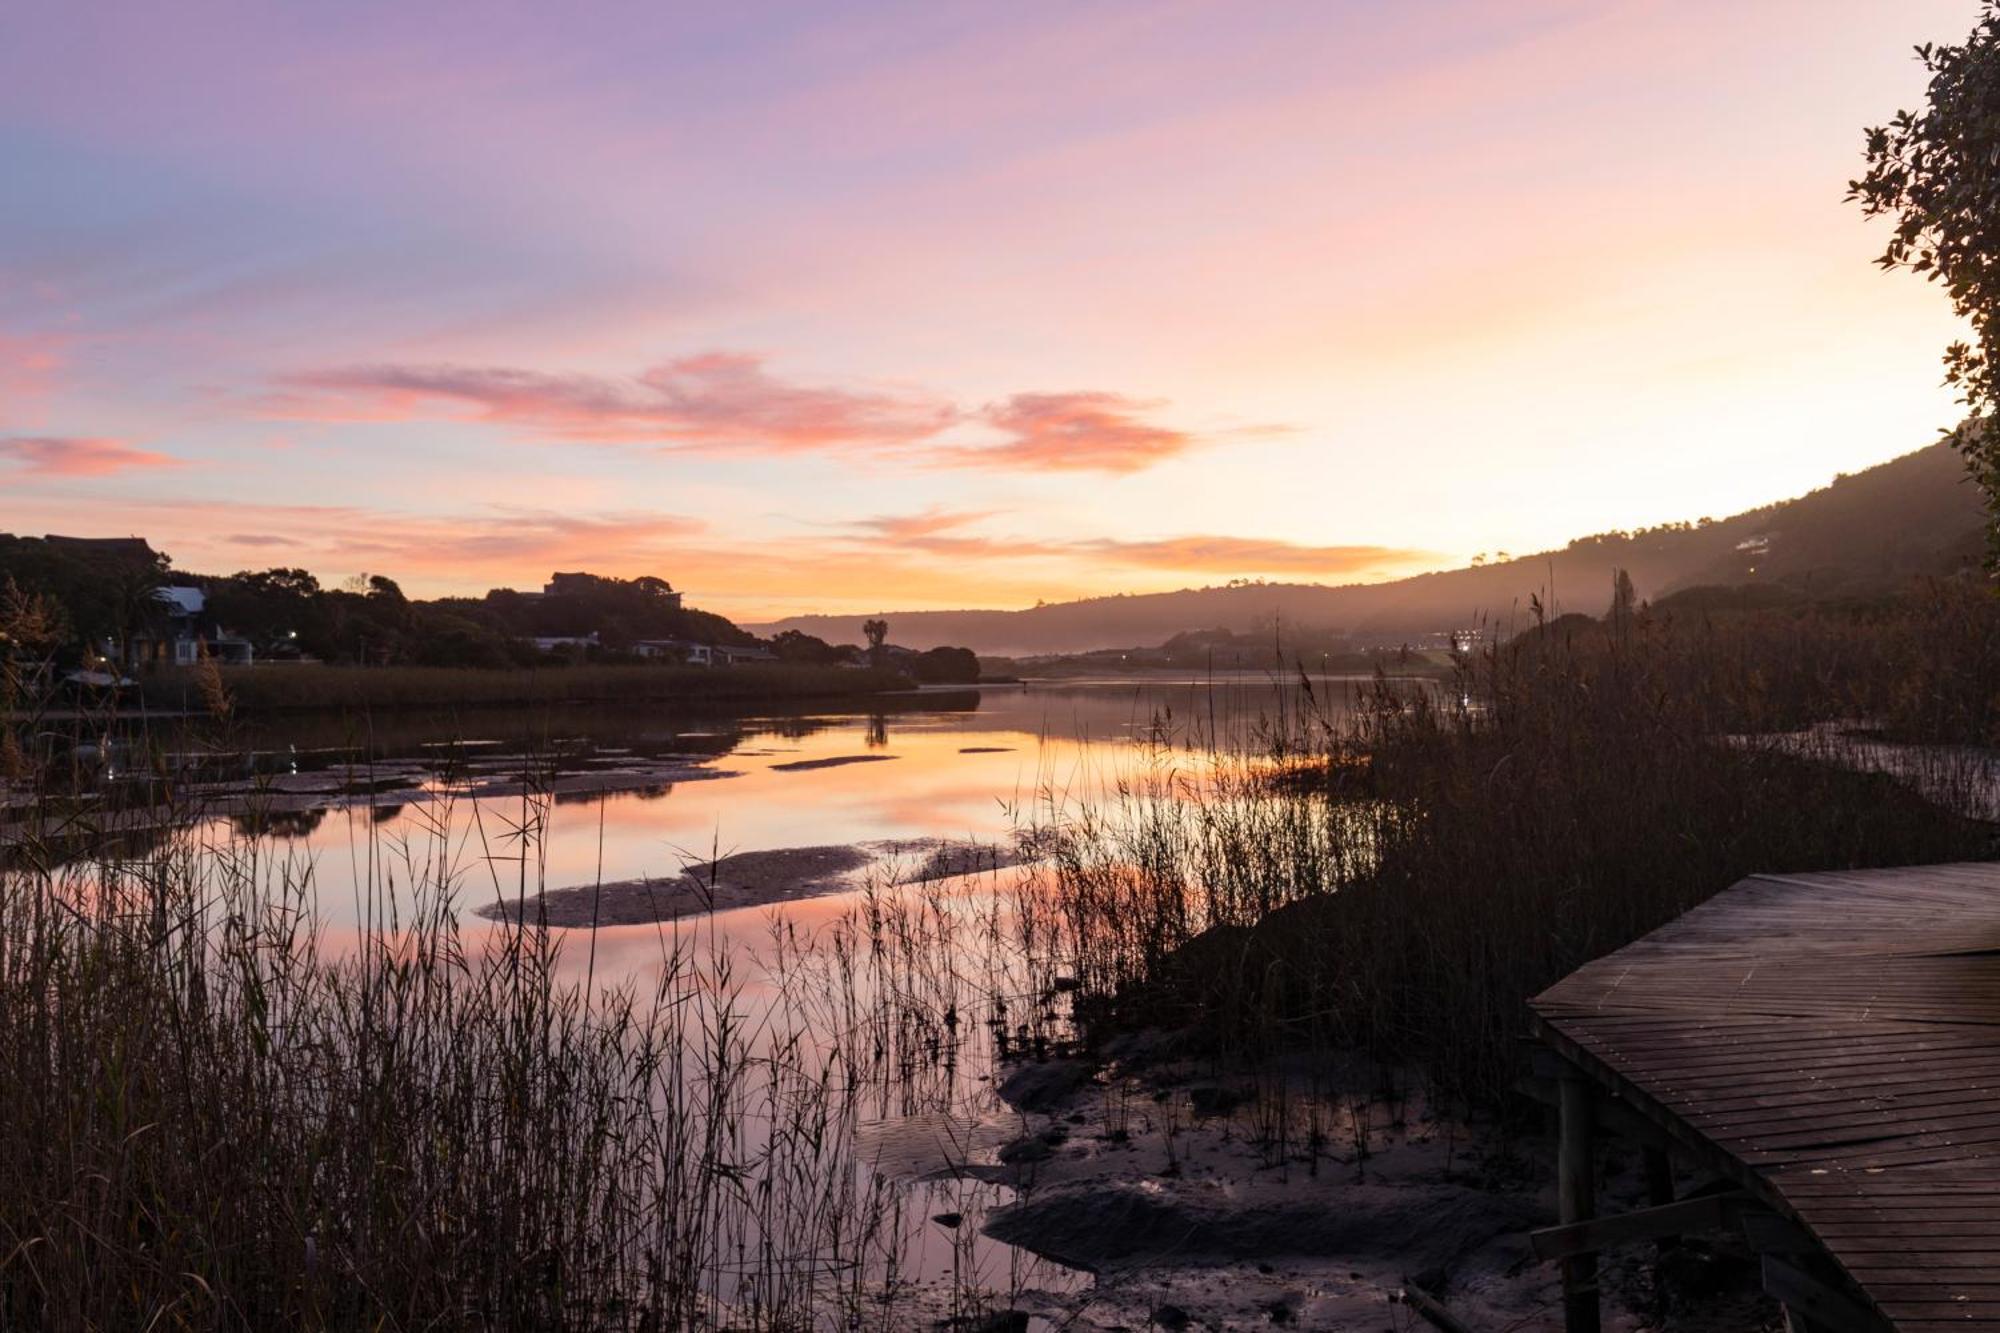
{"x": 187, "y": 635}
{"x": 675, "y": 650}
{"x": 702, "y": 654}
{"x": 740, "y": 656}
{"x": 563, "y": 643}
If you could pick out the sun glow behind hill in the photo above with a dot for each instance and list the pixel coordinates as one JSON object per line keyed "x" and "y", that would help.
{"x": 1914, "y": 515}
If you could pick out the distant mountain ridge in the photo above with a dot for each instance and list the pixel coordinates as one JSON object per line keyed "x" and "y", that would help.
{"x": 1912, "y": 515}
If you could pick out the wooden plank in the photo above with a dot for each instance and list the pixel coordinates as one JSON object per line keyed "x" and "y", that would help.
{"x": 1798, "y": 1290}
{"x": 1709, "y": 1212}
{"x": 1832, "y": 1043}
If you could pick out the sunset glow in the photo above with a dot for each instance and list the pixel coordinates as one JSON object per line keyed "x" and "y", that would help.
{"x": 829, "y": 308}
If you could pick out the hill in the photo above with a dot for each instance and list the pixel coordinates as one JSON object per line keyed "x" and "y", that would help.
{"x": 1913, "y": 515}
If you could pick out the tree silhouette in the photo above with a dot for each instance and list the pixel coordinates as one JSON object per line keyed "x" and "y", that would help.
{"x": 1933, "y": 172}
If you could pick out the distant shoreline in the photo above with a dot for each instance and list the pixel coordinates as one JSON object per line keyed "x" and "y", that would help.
{"x": 270, "y": 689}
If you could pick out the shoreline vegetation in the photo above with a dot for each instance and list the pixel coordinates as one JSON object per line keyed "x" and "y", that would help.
{"x": 1378, "y": 882}
{"x": 1431, "y": 858}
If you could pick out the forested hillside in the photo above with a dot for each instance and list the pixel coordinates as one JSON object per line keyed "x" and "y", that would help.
{"x": 1915, "y": 514}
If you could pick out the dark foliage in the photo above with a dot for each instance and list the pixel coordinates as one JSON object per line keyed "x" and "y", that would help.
{"x": 1935, "y": 173}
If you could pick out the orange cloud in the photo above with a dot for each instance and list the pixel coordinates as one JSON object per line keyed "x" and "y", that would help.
{"x": 938, "y": 532}
{"x": 1097, "y": 432}
{"x": 77, "y": 455}
{"x": 918, "y": 528}
{"x": 1254, "y": 555}
{"x": 728, "y": 401}
{"x": 714, "y": 400}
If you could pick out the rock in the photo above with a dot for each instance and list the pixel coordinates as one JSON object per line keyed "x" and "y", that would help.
{"x": 1023, "y": 1151}
{"x": 1041, "y": 1085}
{"x": 1171, "y": 1317}
{"x": 1100, "y": 1225}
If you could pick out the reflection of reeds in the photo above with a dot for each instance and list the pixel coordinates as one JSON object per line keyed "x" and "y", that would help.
{"x": 1400, "y": 874}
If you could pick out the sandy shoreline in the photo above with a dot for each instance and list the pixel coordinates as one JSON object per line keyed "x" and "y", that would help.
{"x": 757, "y": 879}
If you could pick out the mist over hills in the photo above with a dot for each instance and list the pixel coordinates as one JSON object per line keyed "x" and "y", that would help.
{"x": 1912, "y": 515}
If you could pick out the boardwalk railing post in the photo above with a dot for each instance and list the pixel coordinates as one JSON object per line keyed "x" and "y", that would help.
{"x": 1576, "y": 1193}
{"x": 1660, "y": 1186}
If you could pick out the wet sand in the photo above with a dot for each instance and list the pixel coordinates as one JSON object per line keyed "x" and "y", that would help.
{"x": 1161, "y": 1178}
{"x": 835, "y": 761}
{"x": 756, "y": 879}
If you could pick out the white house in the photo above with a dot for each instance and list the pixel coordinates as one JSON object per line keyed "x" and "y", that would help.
{"x": 187, "y": 637}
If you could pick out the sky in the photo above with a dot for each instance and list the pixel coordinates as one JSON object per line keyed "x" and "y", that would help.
{"x": 920, "y": 305}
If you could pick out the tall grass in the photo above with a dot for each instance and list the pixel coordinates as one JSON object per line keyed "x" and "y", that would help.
{"x": 1402, "y": 870}
{"x": 218, "y": 1111}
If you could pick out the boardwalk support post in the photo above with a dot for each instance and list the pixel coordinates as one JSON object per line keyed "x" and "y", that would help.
{"x": 1660, "y": 1187}
{"x": 1576, "y": 1192}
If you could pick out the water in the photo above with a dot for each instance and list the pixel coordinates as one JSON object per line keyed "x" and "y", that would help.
{"x": 644, "y": 794}
{"x": 631, "y": 795}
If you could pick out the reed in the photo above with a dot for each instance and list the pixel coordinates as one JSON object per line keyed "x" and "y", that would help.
{"x": 220, "y": 1112}
{"x": 1400, "y": 870}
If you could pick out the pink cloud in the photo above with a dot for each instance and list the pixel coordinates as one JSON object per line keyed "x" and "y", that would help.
{"x": 940, "y": 532}
{"x": 29, "y": 367}
{"x": 1094, "y": 432}
{"x": 77, "y": 455}
{"x": 728, "y": 400}
{"x": 716, "y": 399}
{"x": 28, "y": 362}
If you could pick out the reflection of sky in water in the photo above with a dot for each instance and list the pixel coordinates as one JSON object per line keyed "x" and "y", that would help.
{"x": 958, "y": 766}
{"x": 1062, "y": 739}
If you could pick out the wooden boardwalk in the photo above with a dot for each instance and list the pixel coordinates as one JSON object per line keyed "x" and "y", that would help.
{"x": 1831, "y": 1044}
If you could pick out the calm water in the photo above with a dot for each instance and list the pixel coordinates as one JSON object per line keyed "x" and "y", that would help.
{"x": 962, "y": 764}
{"x": 644, "y": 794}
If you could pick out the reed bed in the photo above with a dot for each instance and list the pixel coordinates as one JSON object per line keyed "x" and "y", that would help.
{"x": 1399, "y": 870}
{"x": 221, "y": 1113}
